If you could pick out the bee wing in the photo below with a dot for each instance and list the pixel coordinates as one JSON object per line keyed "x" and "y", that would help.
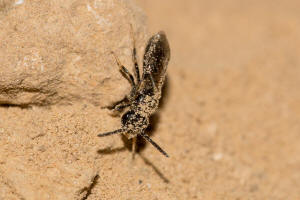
{"x": 156, "y": 58}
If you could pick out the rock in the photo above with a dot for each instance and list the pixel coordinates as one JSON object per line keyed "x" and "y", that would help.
{"x": 58, "y": 52}
{"x": 55, "y": 53}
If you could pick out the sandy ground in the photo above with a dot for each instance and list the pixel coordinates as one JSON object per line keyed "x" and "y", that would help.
{"x": 229, "y": 117}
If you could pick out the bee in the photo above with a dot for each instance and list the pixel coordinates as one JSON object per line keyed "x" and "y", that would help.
{"x": 145, "y": 93}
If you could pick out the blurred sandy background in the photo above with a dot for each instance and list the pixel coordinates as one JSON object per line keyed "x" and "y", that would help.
{"x": 234, "y": 81}
{"x": 229, "y": 117}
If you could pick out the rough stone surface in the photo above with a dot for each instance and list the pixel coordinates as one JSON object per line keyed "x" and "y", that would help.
{"x": 59, "y": 51}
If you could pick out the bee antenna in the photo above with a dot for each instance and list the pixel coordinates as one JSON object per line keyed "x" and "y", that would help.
{"x": 146, "y": 137}
{"x": 110, "y": 133}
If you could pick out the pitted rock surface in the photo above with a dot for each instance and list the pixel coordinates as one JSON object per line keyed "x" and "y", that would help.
{"x": 58, "y": 52}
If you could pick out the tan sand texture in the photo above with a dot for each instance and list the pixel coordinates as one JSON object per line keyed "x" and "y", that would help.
{"x": 229, "y": 116}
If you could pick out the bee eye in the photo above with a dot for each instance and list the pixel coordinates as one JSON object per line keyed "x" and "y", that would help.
{"x": 128, "y": 116}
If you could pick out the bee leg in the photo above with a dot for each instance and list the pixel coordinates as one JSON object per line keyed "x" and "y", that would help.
{"x": 133, "y": 150}
{"x": 118, "y": 106}
{"x": 134, "y": 58}
{"x": 146, "y": 137}
{"x": 124, "y": 71}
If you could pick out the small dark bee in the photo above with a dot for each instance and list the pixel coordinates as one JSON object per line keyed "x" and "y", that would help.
{"x": 145, "y": 93}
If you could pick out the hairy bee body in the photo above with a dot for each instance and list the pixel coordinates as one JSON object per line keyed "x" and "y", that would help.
{"x": 145, "y": 94}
